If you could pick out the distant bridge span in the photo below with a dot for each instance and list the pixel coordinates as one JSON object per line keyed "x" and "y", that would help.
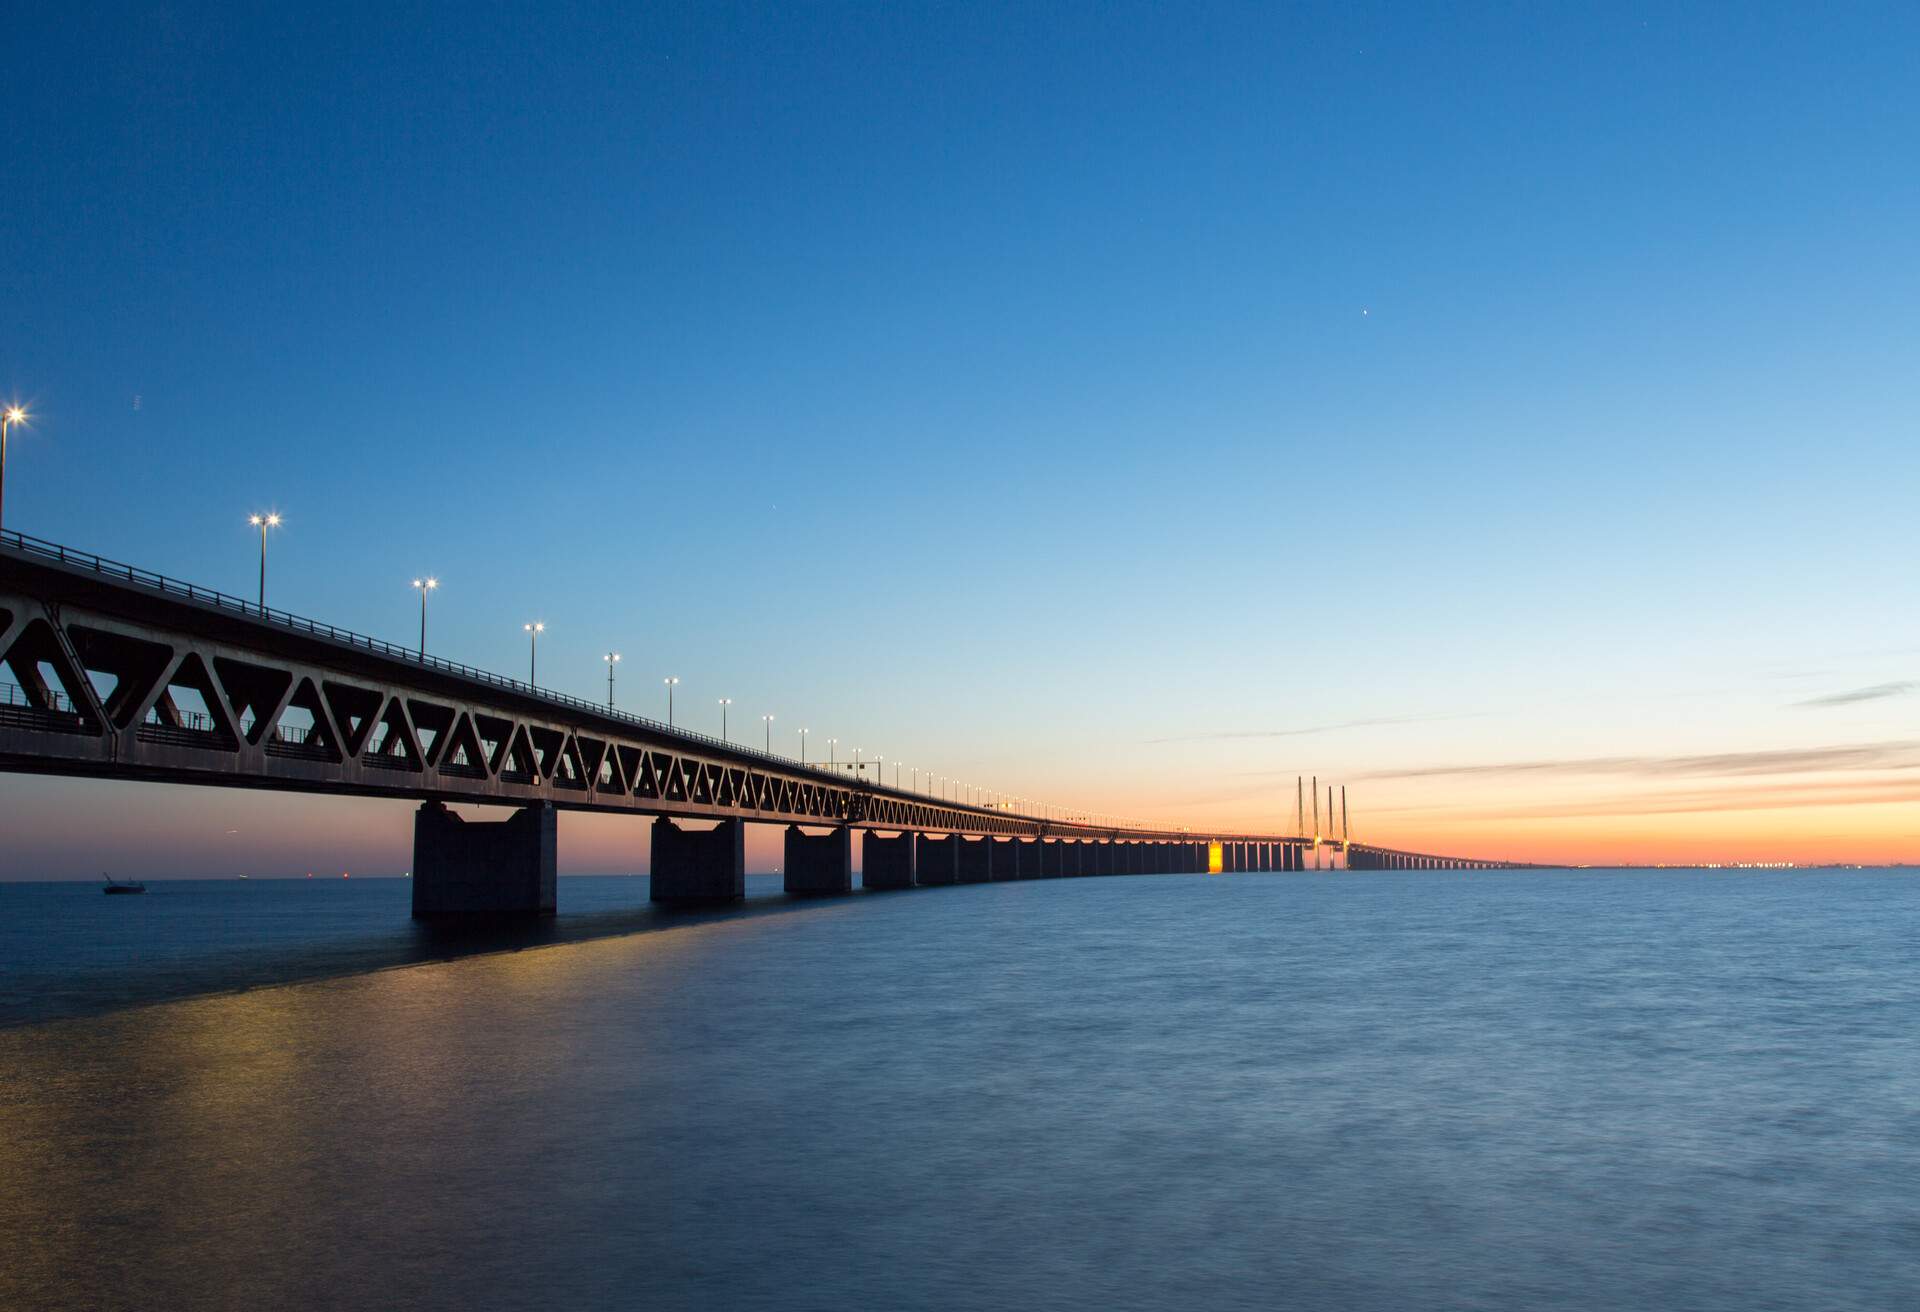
{"x": 120, "y": 673}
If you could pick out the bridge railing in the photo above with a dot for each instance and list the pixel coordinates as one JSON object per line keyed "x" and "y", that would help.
{"x": 120, "y": 572}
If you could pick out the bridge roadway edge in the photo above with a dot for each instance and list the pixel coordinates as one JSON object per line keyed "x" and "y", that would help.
{"x": 73, "y": 612}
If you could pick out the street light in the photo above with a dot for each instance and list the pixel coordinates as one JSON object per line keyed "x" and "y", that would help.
{"x": 12, "y": 415}
{"x": 612, "y": 659}
{"x": 425, "y": 585}
{"x": 724, "y": 703}
{"x": 534, "y": 630}
{"x": 769, "y": 722}
{"x": 670, "y": 681}
{"x": 263, "y": 523}
{"x": 830, "y": 743}
{"x": 803, "y": 747}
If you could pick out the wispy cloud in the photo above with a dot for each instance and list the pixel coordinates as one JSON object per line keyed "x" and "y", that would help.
{"x": 1872, "y": 694}
{"x": 1225, "y": 735}
{"x": 1899, "y": 755}
{"x": 1732, "y": 797}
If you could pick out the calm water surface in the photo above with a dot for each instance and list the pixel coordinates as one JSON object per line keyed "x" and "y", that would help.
{"x": 1394, "y": 1091}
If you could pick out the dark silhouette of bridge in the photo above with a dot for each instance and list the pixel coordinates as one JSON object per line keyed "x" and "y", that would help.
{"x": 120, "y": 673}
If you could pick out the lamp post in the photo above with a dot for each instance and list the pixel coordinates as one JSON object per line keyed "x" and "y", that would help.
{"x": 612, "y": 659}
{"x": 12, "y": 415}
{"x": 263, "y": 523}
{"x": 830, "y": 745}
{"x": 803, "y": 747}
{"x": 769, "y": 723}
{"x": 425, "y": 585}
{"x": 534, "y": 630}
{"x": 724, "y": 703}
{"x": 670, "y": 681}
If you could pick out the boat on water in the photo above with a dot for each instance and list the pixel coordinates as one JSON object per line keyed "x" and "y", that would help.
{"x": 128, "y": 887}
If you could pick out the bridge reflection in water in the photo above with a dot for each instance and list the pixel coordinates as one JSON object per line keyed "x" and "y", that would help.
{"x": 120, "y": 673}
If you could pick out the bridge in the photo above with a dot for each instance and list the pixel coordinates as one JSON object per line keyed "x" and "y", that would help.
{"x": 121, "y": 673}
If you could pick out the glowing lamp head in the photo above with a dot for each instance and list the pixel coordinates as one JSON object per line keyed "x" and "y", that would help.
{"x": 15, "y": 415}
{"x": 612, "y": 657}
{"x": 534, "y": 628}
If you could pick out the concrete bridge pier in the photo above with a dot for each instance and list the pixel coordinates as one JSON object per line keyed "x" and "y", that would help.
{"x": 973, "y": 860}
{"x": 886, "y": 862}
{"x": 484, "y": 868}
{"x": 819, "y": 864}
{"x": 1003, "y": 859}
{"x": 936, "y": 860}
{"x": 1030, "y": 852}
{"x": 694, "y": 865}
{"x": 1052, "y": 859}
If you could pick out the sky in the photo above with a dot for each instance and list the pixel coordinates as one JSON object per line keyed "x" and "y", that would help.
{"x": 1506, "y": 411}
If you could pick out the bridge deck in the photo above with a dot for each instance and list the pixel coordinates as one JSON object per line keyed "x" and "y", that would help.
{"x": 121, "y": 673}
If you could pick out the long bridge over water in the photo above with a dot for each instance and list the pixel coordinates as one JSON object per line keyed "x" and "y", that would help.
{"x": 121, "y": 673}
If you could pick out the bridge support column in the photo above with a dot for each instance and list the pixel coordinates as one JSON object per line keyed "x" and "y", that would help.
{"x": 1003, "y": 859}
{"x": 819, "y": 863}
{"x": 484, "y": 868}
{"x": 974, "y": 860}
{"x": 886, "y": 862}
{"x": 1030, "y": 852}
{"x": 692, "y": 865}
{"x": 1052, "y": 858}
{"x": 936, "y": 860}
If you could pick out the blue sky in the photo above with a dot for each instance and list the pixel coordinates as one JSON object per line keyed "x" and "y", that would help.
{"x": 1039, "y": 393}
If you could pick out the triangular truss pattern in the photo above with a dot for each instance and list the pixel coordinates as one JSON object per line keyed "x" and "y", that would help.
{"x": 355, "y": 711}
{"x": 392, "y": 746}
{"x": 643, "y": 773}
{"x": 570, "y": 768}
{"x": 430, "y": 724}
{"x": 599, "y": 764}
{"x": 316, "y": 740}
{"x": 48, "y": 690}
{"x": 496, "y": 735}
{"x": 207, "y": 725}
{"x": 462, "y": 755}
{"x": 519, "y": 765}
{"x": 254, "y": 692}
{"x": 131, "y": 666}
{"x": 304, "y": 710}
{"x": 546, "y": 744}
